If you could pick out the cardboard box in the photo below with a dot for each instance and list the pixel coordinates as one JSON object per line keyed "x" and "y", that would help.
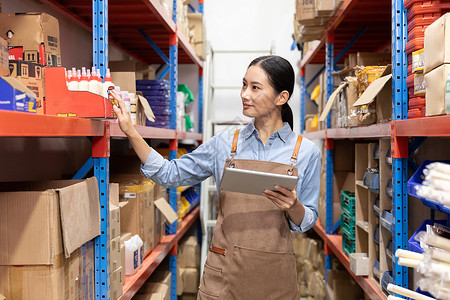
{"x": 137, "y": 217}
{"x": 373, "y": 59}
{"x": 123, "y": 74}
{"x": 197, "y": 27}
{"x": 437, "y": 43}
{"x": 340, "y": 286}
{"x": 31, "y": 75}
{"x": 190, "y": 280}
{"x": 352, "y": 96}
{"x": 305, "y": 11}
{"x": 116, "y": 284}
{"x": 359, "y": 264}
{"x": 51, "y": 217}
{"x": 67, "y": 278}
{"x": 153, "y": 291}
{"x": 190, "y": 250}
{"x": 115, "y": 256}
{"x": 380, "y": 91}
{"x": 186, "y": 296}
{"x": 4, "y": 59}
{"x": 180, "y": 274}
{"x": 324, "y": 7}
{"x": 15, "y": 96}
{"x": 162, "y": 276}
{"x": 114, "y": 221}
{"x": 437, "y": 98}
{"x": 32, "y": 37}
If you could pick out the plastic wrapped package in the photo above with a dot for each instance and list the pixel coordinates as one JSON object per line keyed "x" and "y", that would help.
{"x": 352, "y": 96}
{"x": 367, "y": 75}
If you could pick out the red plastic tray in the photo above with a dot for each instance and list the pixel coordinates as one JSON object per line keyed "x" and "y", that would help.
{"x": 410, "y": 80}
{"x": 414, "y": 45}
{"x": 416, "y": 102}
{"x": 426, "y": 8}
{"x": 409, "y": 3}
{"x": 411, "y": 93}
{"x": 416, "y": 32}
{"x": 421, "y": 21}
{"x": 415, "y": 113}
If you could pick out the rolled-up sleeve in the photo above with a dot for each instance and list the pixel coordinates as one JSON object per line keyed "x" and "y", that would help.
{"x": 309, "y": 194}
{"x": 190, "y": 169}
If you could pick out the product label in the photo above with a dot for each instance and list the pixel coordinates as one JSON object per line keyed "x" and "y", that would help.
{"x": 136, "y": 259}
{"x": 418, "y": 61}
{"x": 447, "y": 93}
{"x": 420, "y": 86}
{"x": 130, "y": 195}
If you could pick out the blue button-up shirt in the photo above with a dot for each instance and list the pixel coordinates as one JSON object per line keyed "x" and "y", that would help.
{"x": 209, "y": 159}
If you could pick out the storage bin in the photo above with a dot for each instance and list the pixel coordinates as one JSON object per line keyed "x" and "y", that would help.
{"x": 386, "y": 279}
{"x": 414, "y": 245}
{"x": 387, "y": 221}
{"x": 348, "y": 202}
{"x": 348, "y": 245}
{"x": 376, "y": 269}
{"x": 372, "y": 181}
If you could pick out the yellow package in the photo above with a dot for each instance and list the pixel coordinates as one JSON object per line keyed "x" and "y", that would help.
{"x": 367, "y": 75}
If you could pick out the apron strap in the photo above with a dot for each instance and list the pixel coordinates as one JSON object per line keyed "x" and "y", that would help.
{"x": 297, "y": 147}
{"x": 235, "y": 140}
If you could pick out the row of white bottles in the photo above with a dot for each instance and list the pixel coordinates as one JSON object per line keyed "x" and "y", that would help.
{"x": 84, "y": 80}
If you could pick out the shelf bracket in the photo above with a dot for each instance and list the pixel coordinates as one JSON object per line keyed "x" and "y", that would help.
{"x": 163, "y": 73}
{"x": 154, "y": 46}
{"x": 315, "y": 77}
{"x": 88, "y": 165}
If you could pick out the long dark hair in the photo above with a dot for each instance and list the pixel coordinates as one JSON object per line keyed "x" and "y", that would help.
{"x": 281, "y": 77}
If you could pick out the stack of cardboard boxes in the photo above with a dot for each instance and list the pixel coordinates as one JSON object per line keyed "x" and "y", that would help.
{"x": 311, "y": 18}
{"x": 47, "y": 251}
{"x": 198, "y": 34}
{"x": 188, "y": 264}
{"x": 310, "y": 266}
{"x": 437, "y": 66}
{"x": 116, "y": 252}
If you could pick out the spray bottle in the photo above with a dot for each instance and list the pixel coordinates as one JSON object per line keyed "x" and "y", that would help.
{"x": 83, "y": 85}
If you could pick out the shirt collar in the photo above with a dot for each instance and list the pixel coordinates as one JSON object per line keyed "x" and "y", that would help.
{"x": 283, "y": 133}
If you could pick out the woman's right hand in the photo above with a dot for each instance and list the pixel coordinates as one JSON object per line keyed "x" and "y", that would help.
{"x": 123, "y": 115}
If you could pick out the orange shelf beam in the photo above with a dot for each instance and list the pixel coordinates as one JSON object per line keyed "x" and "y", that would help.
{"x": 427, "y": 126}
{"x": 146, "y": 132}
{"x": 20, "y": 124}
{"x": 134, "y": 282}
{"x": 189, "y": 136}
{"x": 334, "y": 243}
{"x": 371, "y": 131}
{"x": 190, "y": 51}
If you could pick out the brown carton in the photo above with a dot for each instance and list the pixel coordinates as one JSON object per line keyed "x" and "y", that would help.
{"x": 115, "y": 256}
{"x": 4, "y": 60}
{"x": 373, "y": 59}
{"x": 197, "y": 27}
{"x": 114, "y": 221}
{"x": 52, "y": 218}
{"x": 190, "y": 250}
{"x": 437, "y": 97}
{"x": 190, "y": 280}
{"x": 437, "y": 43}
{"x": 32, "y": 37}
{"x": 153, "y": 291}
{"x": 117, "y": 283}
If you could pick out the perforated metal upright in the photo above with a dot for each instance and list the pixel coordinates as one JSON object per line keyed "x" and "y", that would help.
{"x": 399, "y": 145}
{"x": 173, "y": 144}
{"x": 100, "y": 154}
{"x": 302, "y": 99}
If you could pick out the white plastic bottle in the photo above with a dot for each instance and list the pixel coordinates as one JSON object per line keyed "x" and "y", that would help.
{"x": 131, "y": 257}
{"x": 83, "y": 85}
{"x": 107, "y": 84}
{"x": 140, "y": 244}
{"x": 73, "y": 82}
{"x": 93, "y": 83}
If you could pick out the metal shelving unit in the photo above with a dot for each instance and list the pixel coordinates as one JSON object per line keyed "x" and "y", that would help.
{"x": 390, "y": 18}
{"x": 146, "y": 23}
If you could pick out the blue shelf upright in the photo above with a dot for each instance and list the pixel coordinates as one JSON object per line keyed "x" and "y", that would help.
{"x": 302, "y": 99}
{"x": 100, "y": 153}
{"x": 399, "y": 145}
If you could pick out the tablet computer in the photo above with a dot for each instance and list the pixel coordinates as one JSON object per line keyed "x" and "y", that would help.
{"x": 254, "y": 182}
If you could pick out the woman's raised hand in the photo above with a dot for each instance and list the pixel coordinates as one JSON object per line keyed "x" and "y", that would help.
{"x": 123, "y": 115}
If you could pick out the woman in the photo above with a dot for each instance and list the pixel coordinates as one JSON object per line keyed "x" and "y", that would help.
{"x": 251, "y": 253}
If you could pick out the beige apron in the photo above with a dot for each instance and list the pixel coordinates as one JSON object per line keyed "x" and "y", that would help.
{"x": 251, "y": 254}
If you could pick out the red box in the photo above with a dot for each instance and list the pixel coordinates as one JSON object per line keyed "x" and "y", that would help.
{"x": 60, "y": 101}
{"x": 417, "y": 32}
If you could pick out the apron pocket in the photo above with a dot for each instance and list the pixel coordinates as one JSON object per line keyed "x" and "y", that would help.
{"x": 255, "y": 274}
{"x": 212, "y": 282}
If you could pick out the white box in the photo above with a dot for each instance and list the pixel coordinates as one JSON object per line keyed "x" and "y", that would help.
{"x": 437, "y": 43}
{"x": 359, "y": 264}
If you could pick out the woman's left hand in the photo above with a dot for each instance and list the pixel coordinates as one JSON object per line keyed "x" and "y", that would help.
{"x": 284, "y": 199}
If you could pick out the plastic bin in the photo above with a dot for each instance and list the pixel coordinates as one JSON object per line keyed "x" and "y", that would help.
{"x": 416, "y": 180}
{"x": 376, "y": 207}
{"x": 389, "y": 250}
{"x": 389, "y": 189}
{"x": 415, "y": 113}
{"x": 425, "y": 20}
{"x": 388, "y": 159}
{"x": 416, "y": 102}
{"x": 387, "y": 221}
{"x": 348, "y": 225}
{"x": 376, "y": 152}
{"x": 414, "y": 45}
{"x": 417, "y": 32}
{"x": 376, "y": 269}
{"x": 386, "y": 279}
{"x": 410, "y": 80}
{"x": 372, "y": 181}
{"x": 414, "y": 245}
{"x": 348, "y": 202}
{"x": 376, "y": 235}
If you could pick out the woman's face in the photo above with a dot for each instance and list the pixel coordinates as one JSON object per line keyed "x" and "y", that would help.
{"x": 258, "y": 96}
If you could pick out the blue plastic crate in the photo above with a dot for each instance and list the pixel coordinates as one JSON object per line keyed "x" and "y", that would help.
{"x": 416, "y": 180}
{"x": 414, "y": 245}
{"x": 372, "y": 181}
{"x": 423, "y": 293}
{"x": 376, "y": 207}
{"x": 376, "y": 269}
{"x": 387, "y": 221}
{"x": 386, "y": 279}
{"x": 389, "y": 250}
{"x": 376, "y": 235}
